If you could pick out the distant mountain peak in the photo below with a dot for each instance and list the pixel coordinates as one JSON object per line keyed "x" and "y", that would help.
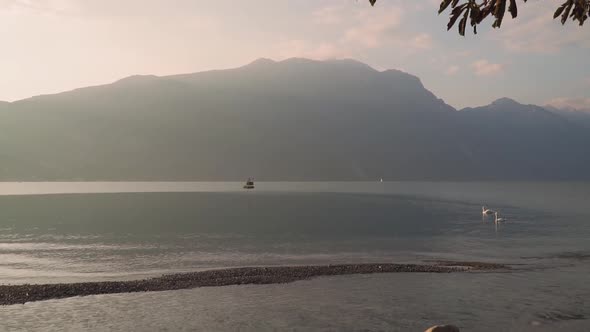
{"x": 507, "y": 107}
{"x": 349, "y": 62}
{"x": 339, "y": 62}
{"x": 262, "y": 62}
{"x": 505, "y": 101}
{"x": 137, "y": 78}
{"x": 297, "y": 60}
{"x": 511, "y": 105}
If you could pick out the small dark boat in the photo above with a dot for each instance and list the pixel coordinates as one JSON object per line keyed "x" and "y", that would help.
{"x": 249, "y": 184}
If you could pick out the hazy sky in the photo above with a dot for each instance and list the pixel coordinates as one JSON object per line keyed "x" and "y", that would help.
{"x": 50, "y": 46}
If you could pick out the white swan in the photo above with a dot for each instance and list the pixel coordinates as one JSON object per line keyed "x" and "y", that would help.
{"x": 486, "y": 211}
{"x": 498, "y": 219}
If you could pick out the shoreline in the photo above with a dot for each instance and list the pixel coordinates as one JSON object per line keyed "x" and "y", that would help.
{"x": 20, "y": 294}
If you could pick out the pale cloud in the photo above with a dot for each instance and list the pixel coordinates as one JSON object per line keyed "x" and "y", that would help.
{"x": 328, "y": 15}
{"x": 36, "y": 6}
{"x": 485, "y": 68}
{"x": 578, "y": 104}
{"x": 452, "y": 70}
{"x": 465, "y": 53}
{"x": 373, "y": 29}
{"x": 48, "y": 47}
{"x": 535, "y": 30}
{"x": 422, "y": 41}
{"x": 306, "y": 49}
{"x": 356, "y": 30}
{"x": 56, "y": 45}
{"x": 418, "y": 6}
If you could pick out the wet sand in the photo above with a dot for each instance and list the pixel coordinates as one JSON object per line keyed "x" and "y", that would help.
{"x": 19, "y": 294}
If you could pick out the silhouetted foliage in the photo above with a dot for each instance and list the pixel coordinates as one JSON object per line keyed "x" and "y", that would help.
{"x": 475, "y": 11}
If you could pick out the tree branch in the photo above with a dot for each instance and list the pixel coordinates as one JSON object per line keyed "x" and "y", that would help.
{"x": 476, "y": 11}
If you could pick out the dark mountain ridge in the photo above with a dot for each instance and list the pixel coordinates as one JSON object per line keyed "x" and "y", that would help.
{"x": 296, "y": 119}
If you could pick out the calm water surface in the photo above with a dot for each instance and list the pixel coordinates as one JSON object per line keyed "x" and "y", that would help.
{"x": 67, "y": 232}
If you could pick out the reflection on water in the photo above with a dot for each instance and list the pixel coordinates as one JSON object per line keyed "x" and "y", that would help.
{"x": 192, "y": 226}
{"x": 562, "y": 196}
{"x": 531, "y": 301}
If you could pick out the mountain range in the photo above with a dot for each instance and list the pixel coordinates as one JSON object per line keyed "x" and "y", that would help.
{"x": 579, "y": 116}
{"x": 292, "y": 120}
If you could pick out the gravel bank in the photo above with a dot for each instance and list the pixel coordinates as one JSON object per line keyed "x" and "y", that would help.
{"x": 18, "y": 294}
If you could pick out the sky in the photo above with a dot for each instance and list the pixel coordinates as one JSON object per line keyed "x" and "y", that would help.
{"x": 50, "y": 46}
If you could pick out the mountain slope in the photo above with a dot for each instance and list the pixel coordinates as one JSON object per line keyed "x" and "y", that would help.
{"x": 527, "y": 141}
{"x": 292, "y": 120}
{"x": 579, "y": 116}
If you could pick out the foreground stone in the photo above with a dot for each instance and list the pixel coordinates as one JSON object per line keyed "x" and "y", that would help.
{"x": 16, "y": 294}
{"x": 443, "y": 328}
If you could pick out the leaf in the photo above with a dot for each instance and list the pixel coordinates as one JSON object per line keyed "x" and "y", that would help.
{"x": 485, "y": 12}
{"x": 455, "y": 15}
{"x": 566, "y": 13}
{"x": 463, "y": 23}
{"x": 443, "y": 5}
{"x": 475, "y": 14}
{"x": 559, "y": 10}
{"x": 513, "y": 9}
{"x": 499, "y": 13}
{"x": 498, "y": 6}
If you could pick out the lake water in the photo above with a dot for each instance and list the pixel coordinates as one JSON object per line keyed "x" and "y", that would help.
{"x": 68, "y": 232}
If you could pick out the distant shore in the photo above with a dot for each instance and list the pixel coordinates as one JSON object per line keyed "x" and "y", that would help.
{"x": 20, "y": 294}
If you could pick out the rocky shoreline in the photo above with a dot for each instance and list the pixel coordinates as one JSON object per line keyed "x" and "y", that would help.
{"x": 20, "y": 294}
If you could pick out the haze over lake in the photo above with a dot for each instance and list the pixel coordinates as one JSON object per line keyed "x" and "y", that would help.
{"x": 282, "y": 165}
{"x": 121, "y": 198}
